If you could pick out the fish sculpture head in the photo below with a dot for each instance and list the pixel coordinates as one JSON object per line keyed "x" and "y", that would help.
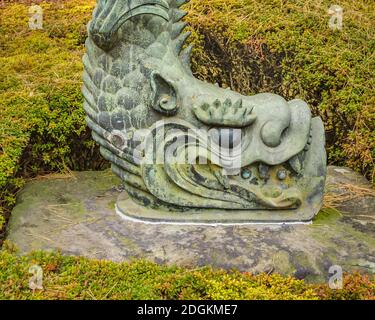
{"x": 183, "y": 145}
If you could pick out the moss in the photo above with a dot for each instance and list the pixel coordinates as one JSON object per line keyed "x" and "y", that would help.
{"x": 79, "y": 278}
{"x": 2, "y": 222}
{"x": 327, "y": 216}
{"x": 112, "y": 204}
{"x": 360, "y": 236}
{"x": 282, "y": 264}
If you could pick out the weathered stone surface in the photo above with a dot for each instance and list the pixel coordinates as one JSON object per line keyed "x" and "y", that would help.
{"x": 77, "y": 216}
{"x": 362, "y": 206}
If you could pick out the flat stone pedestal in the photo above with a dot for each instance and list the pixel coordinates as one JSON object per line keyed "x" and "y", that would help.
{"x": 130, "y": 210}
{"x": 76, "y": 214}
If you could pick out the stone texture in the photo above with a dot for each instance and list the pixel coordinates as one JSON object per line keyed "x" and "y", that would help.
{"x": 362, "y": 207}
{"x": 77, "y": 216}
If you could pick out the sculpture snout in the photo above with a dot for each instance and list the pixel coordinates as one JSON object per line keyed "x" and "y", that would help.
{"x": 271, "y": 112}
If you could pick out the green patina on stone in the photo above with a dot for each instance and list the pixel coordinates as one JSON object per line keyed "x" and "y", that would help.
{"x": 137, "y": 76}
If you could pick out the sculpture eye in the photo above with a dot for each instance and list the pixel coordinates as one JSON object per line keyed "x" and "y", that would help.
{"x": 164, "y": 97}
{"x": 227, "y": 138}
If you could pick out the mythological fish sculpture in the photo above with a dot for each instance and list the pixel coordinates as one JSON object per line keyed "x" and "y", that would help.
{"x": 142, "y": 101}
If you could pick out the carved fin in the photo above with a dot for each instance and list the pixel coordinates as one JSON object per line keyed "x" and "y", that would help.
{"x": 89, "y": 84}
{"x": 177, "y": 15}
{"x": 185, "y": 57}
{"x": 180, "y": 41}
{"x": 88, "y": 66}
{"x": 90, "y": 112}
{"x": 179, "y": 3}
{"x": 90, "y": 100}
{"x": 177, "y": 29}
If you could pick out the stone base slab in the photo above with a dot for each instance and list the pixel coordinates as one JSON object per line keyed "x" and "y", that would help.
{"x": 77, "y": 215}
{"x": 130, "y": 210}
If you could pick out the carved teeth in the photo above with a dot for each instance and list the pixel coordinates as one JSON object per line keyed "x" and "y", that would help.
{"x": 296, "y": 164}
{"x": 225, "y": 113}
{"x": 263, "y": 171}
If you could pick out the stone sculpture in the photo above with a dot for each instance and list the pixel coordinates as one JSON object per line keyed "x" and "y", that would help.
{"x": 186, "y": 150}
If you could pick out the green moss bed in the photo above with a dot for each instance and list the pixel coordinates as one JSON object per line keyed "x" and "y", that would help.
{"x": 79, "y": 278}
{"x": 251, "y": 46}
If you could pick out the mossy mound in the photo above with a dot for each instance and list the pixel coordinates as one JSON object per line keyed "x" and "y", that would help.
{"x": 79, "y": 278}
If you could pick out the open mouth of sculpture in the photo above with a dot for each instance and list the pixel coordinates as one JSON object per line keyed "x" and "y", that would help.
{"x": 197, "y": 168}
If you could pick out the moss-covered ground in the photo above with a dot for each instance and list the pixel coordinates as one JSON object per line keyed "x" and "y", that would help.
{"x": 79, "y": 278}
